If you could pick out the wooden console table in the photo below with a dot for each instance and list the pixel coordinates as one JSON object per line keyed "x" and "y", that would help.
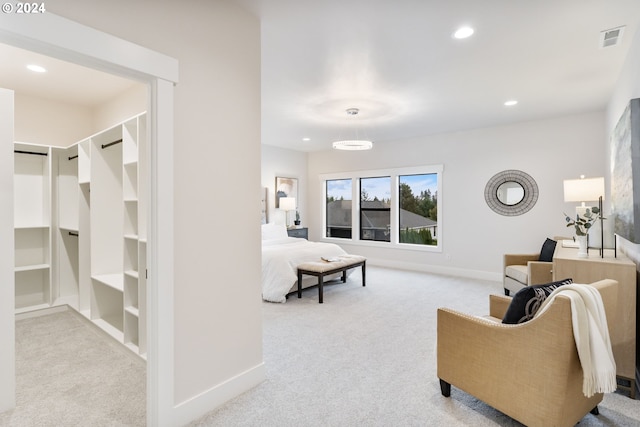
{"x": 587, "y": 270}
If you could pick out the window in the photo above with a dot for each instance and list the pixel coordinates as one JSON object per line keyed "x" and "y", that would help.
{"x": 395, "y": 208}
{"x": 375, "y": 209}
{"x": 339, "y": 206}
{"x": 418, "y": 209}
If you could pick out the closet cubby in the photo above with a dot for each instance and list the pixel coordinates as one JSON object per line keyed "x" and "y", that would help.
{"x": 80, "y": 229}
{"x": 32, "y": 231}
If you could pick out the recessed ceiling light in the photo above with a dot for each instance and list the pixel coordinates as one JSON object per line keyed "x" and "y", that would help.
{"x": 463, "y": 32}
{"x": 305, "y": 139}
{"x": 511, "y": 103}
{"x": 36, "y": 68}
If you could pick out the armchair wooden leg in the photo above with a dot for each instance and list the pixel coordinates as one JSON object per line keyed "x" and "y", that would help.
{"x": 445, "y": 388}
{"x": 506, "y": 291}
{"x": 595, "y": 411}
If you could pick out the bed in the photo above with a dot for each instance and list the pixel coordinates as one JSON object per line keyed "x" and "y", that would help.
{"x": 281, "y": 256}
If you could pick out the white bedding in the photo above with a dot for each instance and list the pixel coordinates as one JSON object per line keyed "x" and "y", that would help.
{"x": 280, "y": 260}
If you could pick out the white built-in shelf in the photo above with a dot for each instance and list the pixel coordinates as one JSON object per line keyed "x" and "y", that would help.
{"x": 107, "y": 325}
{"x": 131, "y": 236}
{"x": 135, "y": 349}
{"x": 69, "y": 229}
{"x": 30, "y": 226}
{"x": 132, "y": 310}
{"x": 131, "y": 273}
{"x": 115, "y": 281}
{"x": 32, "y": 267}
{"x": 20, "y": 310}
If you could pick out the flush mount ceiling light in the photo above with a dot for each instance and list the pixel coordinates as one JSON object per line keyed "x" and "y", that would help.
{"x": 463, "y": 33}
{"x": 355, "y": 143}
{"x": 510, "y": 103}
{"x": 36, "y": 68}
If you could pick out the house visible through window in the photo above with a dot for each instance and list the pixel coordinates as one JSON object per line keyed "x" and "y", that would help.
{"x": 393, "y": 207}
{"x": 418, "y": 202}
{"x": 339, "y": 200}
{"x": 375, "y": 209}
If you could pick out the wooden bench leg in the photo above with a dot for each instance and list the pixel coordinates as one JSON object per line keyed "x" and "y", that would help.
{"x": 299, "y": 284}
{"x": 364, "y": 282}
{"x": 320, "y": 283}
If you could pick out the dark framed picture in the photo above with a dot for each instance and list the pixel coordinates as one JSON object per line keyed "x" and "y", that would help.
{"x": 286, "y": 187}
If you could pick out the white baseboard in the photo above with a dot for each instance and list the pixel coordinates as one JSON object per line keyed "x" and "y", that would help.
{"x": 437, "y": 269}
{"x": 207, "y": 401}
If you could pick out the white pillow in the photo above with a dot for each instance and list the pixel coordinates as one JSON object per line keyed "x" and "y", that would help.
{"x": 273, "y": 231}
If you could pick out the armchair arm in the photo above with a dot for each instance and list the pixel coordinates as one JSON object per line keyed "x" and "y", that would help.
{"x": 498, "y": 305}
{"x": 540, "y": 272}
{"x": 519, "y": 259}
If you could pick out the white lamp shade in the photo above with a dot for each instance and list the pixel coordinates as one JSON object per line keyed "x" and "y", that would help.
{"x": 288, "y": 203}
{"x": 583, "y": 190}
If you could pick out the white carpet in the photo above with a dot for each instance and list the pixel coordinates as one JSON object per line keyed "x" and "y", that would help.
{"x": 366, "y": 357}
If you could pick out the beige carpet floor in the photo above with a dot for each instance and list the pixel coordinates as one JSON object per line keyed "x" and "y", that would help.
{"x": 70, "y": 374}
{"x": 366, "y": 357}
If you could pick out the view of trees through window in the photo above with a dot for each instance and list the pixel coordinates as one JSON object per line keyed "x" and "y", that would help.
{"x": 339, "y": 195}
{"x": 418, "y": 203}
{"x": 402, "y": 215}
{"x": 375, "y": 209}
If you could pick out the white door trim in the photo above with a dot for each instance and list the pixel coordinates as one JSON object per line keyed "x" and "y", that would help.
{"x": 68, "y": 40}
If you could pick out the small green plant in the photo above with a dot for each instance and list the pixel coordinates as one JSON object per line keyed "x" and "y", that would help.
{"x": 582, "y": 224}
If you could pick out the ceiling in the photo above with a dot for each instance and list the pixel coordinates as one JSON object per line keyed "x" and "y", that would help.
{"x": 399, "y": 64}
{"x": 62, "y": 82}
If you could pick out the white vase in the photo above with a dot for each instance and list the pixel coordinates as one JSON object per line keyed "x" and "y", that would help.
{"x": 582, "y": 246}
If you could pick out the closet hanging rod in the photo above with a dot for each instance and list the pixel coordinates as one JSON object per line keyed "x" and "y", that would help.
{"x": 71, "y": 233}
{"x": 111, "y": 143}
{"x": 73, "y": 157}
{"x": 29, "y": 152}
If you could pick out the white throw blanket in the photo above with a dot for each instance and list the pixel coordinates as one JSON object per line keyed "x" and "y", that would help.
{"x": 591, "y": 336}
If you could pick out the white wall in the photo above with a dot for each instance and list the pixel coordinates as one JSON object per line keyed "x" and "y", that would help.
{"x": 42, "y": 121}
{"x": 217, "y": 326}
{"x": 278, "y": 161}
{"x": 627, "y": 88}
{"x": 121, "y": 107}
{"x": 474, "y": 238}
{"x": 7, "y": 290}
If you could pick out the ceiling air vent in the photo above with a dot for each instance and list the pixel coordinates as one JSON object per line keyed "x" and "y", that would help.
{"x": 611, "y": 37}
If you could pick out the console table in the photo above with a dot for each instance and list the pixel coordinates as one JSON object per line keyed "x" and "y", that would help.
{"x": 587, "y": 270}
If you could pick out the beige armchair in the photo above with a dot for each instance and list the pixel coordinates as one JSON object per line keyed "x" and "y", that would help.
{"x": 529, "y": 371}
{"x": 522, "y": 270}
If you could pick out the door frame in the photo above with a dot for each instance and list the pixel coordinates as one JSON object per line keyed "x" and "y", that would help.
{"x": 70, "y": 41}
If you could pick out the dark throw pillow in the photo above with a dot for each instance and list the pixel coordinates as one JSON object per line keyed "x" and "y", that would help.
{"x": 527, "y": 301}
{"x": 548, "y": 248}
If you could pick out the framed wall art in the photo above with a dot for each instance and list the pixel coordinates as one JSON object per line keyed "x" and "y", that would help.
{"x": 286, "y": 187}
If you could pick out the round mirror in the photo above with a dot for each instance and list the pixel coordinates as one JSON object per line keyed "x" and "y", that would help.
{"x": 511, "y": 192}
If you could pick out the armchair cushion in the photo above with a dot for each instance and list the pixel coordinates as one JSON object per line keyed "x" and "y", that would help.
{"x": 527, "y": 301}
{"x": 548, "y": 248}
{"x": 519, "y": 273}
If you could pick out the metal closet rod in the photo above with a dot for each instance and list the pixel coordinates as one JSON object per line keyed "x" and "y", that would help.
{"x": 73, "y": 157}
{"x": 71, "y": 233}
{"x": 111, "y": 143}
{"x": 29, "y": 152}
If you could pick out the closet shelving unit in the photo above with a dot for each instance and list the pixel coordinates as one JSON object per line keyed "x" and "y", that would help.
{"x": 81, "y": 229}
{"x": 32, "y": 226}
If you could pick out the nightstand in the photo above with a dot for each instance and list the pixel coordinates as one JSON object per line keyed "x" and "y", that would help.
{"x": 302, "y": 233}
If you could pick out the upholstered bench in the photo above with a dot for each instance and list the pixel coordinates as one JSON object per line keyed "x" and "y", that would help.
{"x": 323, "y": 268}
